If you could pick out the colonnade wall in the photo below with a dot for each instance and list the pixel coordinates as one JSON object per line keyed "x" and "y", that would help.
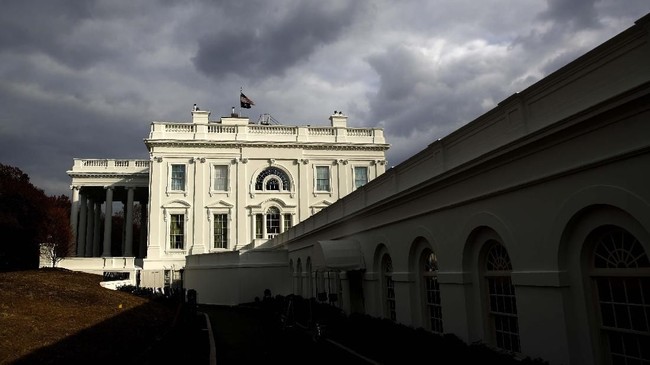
{"x": 507, "y": 230}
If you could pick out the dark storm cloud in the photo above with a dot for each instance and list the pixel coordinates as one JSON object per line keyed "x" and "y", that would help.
{"x": 576, "y": 14}
{"x": 273, "y": 45}
{"x": 83, "y": 79}
{"x": 48, "y": 27}
{"x": 418, "y": 93}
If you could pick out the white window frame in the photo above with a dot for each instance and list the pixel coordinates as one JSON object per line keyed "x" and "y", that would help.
{"x": 354, "y": 175}
{"x": 627, "y": 268}
{"x": 213, "y": 176}
{"x": 169, "y": 232}
{"x": 431, "y": 293}
{"x": 503, "y": 314}
{"x": 329, "y": 179}
{"x": 213, "y": 245}
{"x": 170, "y": 185}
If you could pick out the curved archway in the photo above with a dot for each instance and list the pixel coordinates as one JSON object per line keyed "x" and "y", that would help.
{"x": 503, "y": 324}
{"x": 603, "y": 251}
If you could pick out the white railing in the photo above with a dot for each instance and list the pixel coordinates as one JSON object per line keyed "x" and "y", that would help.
{"x": 222, "y": 129}
{"x": 359, "y": 132}
{"x": 257, "y": 133}
{"x": 108, "y": 165}
{"x": 259, "y": 129}
{"x": 324, "y": 131}
{"x": 180, "y": 127}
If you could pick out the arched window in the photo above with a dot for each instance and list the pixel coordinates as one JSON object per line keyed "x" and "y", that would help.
{"x": 431, "y": 288}
{"x": 620, "y": 270}
{"x": 272, "y": 221}
{"x": 389, "y": 287}
{"x": 502, "y": 304}
{"x": 299, "y": 277}
{"x": 277, "y": 180}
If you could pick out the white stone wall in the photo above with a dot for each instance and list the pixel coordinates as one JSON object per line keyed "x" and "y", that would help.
{"x": 246, "y": 150}
{"x": 539, "y": 174}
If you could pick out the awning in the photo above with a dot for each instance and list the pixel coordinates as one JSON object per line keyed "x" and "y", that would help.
{"x": 338, "y": 255}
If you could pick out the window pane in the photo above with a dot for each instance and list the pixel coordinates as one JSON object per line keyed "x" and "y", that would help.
{"x": 273, "y": 221}
{"x": 282, "y": 179}
{"x": 360, "y": 176}
{"x": 259, "y": 221}
{"x": 287, "y": 221}
{"x": 178, "y": 177}
{"x": 221, "y": 231}
{"x": 272, "y": 184}
{"x": 322, "y": 178}
{"x": 177, "y": 231}
{"x": 221, "y": 178}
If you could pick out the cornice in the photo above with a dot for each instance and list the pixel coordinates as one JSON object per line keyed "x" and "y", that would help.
{"x": 73, "y": 174}
{"x": 268, "y": 144}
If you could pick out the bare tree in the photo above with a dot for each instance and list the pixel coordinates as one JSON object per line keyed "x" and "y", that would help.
{"x": 54, "y": 252}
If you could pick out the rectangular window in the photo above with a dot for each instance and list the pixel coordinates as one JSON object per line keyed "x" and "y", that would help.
{"x": 287, "y": 222}
{"x": 177, "y": 231}
{"x": 178, "y": 177}
{"x": 221, "y": 231}
{"x": 322, "y": 178}
{"x": 220, "y": 178}
{"x": 259, "y": 221}
{"x": 360, "y": 176}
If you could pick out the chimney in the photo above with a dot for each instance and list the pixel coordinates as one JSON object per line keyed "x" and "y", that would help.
{"x": 339, "y": 120}
{"x": 200, "y": 116}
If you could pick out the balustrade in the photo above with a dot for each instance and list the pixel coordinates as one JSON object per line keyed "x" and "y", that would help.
{"x": 255, "y": 132}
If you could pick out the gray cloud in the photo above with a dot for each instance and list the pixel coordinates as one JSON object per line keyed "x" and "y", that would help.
{"x": 275, "y": 44}
{"x": 84, "y": 79}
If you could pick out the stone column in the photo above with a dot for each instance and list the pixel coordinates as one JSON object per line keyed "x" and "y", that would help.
{"x": 108, "y": 214}
{"x": 281, "y": 222}
{"x": 97, "y": 228}
{"x": 143, "y": 230}
{"x": 253, "y": 227}
{"x": 128, "y": 223}
{"x": 264, "y": 234}
{"x": 81, "y": 237}
{"x": 74, "y": 214}
{"x": 90, "y": 221}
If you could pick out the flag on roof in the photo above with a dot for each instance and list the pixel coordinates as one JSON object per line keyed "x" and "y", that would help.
{"x": 244, "y": 101}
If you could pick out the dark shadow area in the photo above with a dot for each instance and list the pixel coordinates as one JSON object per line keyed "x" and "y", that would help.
{"x": 296, "y": 330}
{"x": 147, "y": 334}
{"x": 250, "y": 335}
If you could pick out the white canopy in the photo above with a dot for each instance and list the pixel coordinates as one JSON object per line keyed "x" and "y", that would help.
{"x": 338, "y": 255}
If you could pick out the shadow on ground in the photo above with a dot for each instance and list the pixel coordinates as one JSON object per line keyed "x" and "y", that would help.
{"x": 142, "y": 335}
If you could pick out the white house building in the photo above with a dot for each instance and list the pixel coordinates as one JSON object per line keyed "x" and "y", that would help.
{"x": 213, "y": 186}
{"x": 527, "y": 229}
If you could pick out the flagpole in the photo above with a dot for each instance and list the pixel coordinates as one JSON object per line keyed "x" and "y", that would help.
{"x": 241, "y": 91}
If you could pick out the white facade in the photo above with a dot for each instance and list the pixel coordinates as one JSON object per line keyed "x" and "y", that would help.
{"x": 527, "y": 229}
{"x": 215, "y": 186}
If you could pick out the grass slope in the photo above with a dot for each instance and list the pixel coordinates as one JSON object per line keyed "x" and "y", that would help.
{"x": 52, "y": 316}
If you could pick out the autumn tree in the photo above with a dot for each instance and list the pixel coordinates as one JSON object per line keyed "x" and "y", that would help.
{"x": 58, "y": 234}
{"x": 28, "y": 218}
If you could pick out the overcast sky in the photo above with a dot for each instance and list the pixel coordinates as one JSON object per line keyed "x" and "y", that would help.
{"x": 85, "y": 78}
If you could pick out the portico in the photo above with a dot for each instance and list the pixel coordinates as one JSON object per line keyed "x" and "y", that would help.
{"x": 97, "y": 185}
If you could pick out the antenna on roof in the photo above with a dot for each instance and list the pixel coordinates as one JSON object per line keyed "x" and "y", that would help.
{"x": 267, "y": 119}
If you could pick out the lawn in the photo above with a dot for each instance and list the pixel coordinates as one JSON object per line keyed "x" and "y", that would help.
{"x": 54, "y": 316}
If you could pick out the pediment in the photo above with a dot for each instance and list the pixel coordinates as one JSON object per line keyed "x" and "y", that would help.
{"x": 321, "y": 204}
{"x": 178, "y": 203}
{"x": 219, "y": 204}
